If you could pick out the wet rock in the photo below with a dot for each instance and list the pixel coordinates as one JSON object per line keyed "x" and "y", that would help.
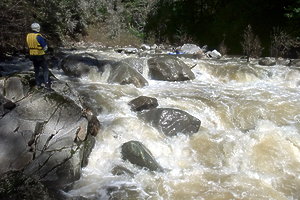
{"x": 136, "y": 153}
{"x": 172, "y": 121}
{"x": 47, "y": 135}
{"x": 78, "y": 65}
{"x": 15, "y": 185}
{"x": 121, "y": 192}
{"x": 120, "y": 170}
{"x": 143, "y": 103}
{"x": 267, "y": 61}
{"x": 123, "y": 74}
{"x": 169, "y": 68}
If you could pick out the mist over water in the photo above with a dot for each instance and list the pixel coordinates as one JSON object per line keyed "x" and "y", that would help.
{"x": 248, "y": 146}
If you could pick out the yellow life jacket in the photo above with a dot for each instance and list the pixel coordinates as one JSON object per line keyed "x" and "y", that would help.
{"x": 33, "y": 44}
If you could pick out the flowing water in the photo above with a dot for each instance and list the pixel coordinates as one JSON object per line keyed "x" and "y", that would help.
{"x": 248, "y": 146}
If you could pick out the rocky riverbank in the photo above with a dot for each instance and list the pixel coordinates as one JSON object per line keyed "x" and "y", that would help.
{"x": 47, "y": 135}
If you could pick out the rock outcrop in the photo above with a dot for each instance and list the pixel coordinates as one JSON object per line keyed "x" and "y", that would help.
{"x": 172, "y": 121}
{"x": 43, "y": 133}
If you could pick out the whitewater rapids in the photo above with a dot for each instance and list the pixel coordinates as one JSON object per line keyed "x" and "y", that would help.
{"x": 248, "y": 146}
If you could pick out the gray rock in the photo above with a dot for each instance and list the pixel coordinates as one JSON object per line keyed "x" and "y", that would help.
{"x": 139, "y": 64}
{"x": 14, "y": 89}
{"x": 136, "y": 153}
{"x": 5, "y": 105}
{"x": 143, "y": 103}
{"x": 190, "y": 49}
{"x": 169, "y": 68}
{"x": 46, "y": 135}
{"x": 172, "y": 121}
{"x": 123, "y": 74}
{"x": 78, "y": 65}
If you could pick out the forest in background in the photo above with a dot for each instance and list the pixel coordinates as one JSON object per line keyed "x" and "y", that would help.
{"x": 202, "y": 22}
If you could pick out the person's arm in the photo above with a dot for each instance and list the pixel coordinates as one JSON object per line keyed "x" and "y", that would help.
{"x": 42, "y": 42}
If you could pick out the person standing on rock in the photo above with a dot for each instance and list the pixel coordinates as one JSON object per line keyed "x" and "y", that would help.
{"x": 37, "y": 47}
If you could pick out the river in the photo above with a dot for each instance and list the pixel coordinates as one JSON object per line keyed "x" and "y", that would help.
{"x": 248, "y": 146}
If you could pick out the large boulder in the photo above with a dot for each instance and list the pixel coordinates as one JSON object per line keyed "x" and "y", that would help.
{"x": 168, "y": 68}
{"x": 139, "y": 64}
{"x": 190, "y": 49}
{"x": 78, "y": 65}
{"x": 136, "y": 153}
{"x": 124, "y": 74}
{"x": 46, "y": 135}
{"x": 172, "y": 121}
{"x": 143, "y": 103}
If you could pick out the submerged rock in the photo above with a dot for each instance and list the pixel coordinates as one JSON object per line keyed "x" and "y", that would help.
{"x": 136, "y": 153}
{"x": 121, "y": 191}
{"x": 267, "y": 61}
{"x": 143, "y": 103}
{"x": 169, "y": 68}
{"x": 172, "y": 121}
{"x": 120, "y": 170}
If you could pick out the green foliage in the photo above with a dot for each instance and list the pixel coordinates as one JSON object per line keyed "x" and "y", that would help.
{"x": 13, "y": 26}
{"x": 175, "y": 21}
{"x": 293, "y": 11}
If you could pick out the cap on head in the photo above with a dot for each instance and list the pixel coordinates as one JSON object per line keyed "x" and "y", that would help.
{"x": 35, "y": 27}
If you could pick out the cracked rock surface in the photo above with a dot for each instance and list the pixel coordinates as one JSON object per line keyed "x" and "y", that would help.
{"x": 45, "y": 133}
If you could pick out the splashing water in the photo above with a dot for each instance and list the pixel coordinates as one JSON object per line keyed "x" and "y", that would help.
{"x": 248, "y": 146}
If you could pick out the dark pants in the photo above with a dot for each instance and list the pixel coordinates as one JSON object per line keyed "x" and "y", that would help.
{"x": 39, "y": 63}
